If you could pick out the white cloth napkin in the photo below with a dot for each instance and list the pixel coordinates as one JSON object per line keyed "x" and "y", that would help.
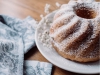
{"x": 37, "y": 68}
{"x": 11, "y": 51}
{"x": 23, "y": 27}
{"x": 16, "y": 38}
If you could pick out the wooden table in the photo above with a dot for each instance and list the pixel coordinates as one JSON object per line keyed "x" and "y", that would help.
{"x": 23, "y": 8}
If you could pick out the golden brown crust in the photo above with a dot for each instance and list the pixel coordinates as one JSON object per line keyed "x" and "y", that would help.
{"x": 73, "y": 57}
{"x": 76, "y": 32}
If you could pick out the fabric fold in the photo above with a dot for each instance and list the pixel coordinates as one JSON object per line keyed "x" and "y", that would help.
{"x": 23, "y": 27}
{"x": 17, "y": 37}
{"x": 11, "y": 51}
{"x": 37, "y": 68}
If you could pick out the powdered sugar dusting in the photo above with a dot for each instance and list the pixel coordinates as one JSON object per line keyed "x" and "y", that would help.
{"x": 73, "y": 37}
{"x": 88, "y": 5}
{"x": 82, "y": 30}
{"x": 47, "y": 7}
{"x": 58, "y": 4}
{"x": 88, "y": 1}
{"x": 43, "y": 36}
{"x": 41, "y": 16}
{"x": 65, "y": 27}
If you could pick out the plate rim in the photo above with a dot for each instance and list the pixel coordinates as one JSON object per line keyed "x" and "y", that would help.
{"x": 50, "y": 60}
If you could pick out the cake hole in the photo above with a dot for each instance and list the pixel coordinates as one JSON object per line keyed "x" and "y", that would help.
{"x": 86, "y": 13}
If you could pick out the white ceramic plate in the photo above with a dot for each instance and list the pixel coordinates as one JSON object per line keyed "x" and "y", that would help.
{"x": 56, "y": 59}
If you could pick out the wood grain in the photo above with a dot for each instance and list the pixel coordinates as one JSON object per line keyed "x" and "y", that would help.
{"x": 23, "y": 8}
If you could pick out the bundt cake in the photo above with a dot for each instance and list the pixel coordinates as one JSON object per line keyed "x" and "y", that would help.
{"x": 75, "y": 30}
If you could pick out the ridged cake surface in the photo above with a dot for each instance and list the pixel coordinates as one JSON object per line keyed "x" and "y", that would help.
{"x": 75, "y": 31}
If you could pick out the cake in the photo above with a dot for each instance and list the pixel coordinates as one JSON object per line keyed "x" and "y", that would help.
{"x": 75, "y": 30}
